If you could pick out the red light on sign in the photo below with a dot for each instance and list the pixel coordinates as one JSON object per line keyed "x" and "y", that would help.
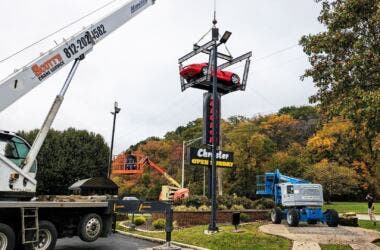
{"x": 211, "y": 121}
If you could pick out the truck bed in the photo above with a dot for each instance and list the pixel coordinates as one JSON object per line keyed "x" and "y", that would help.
{"x": 52, "y": 204}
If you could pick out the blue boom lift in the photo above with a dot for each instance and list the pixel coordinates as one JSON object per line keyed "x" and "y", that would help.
{"x": 295, "y": 200}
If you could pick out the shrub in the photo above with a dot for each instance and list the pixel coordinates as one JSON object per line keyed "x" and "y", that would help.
{"x": 191, "y": 209}
{"x": 140, "y": 221}
{"x": 183, "y": 208}
{"x": 204, "y": 208}
{"x": 159, "y": 223}
{"x": 244, "y": 217}
{"x": 180, "y": 208}
{"x": 243, "y": 201}
{"x": 222, "y": 207}
{"x": 237, "y": 207}
{"x": 264, "y": 203}
{"x": 121, "y": 217}
{"x": 197, "y": 201}
{"x": 230, "y": 200}
{"x": 225, "y": 200}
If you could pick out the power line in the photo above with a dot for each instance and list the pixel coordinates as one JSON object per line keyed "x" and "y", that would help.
{"x": 271, "y": 54}
{"x": 277, "y": 52}
{"x": 55, "y": 32}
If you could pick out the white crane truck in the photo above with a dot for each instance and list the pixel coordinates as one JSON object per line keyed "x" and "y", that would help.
{"x": 26, "y": 221}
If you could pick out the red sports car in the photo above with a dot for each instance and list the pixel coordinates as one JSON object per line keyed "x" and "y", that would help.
{"x": 195, "y": 71}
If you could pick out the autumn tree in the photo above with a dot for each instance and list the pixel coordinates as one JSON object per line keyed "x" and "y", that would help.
{"x": 251, "y": 151}
{"x": 282, "y": 129}
{"x": 345, "y": 60}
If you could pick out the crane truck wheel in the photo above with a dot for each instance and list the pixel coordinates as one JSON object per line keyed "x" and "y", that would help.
{"x": 276, "y": 215}
{"x": 47, "y": 236}
{"x": 332, "y": 218}
{"x": 7, "y": 237}
{"x": 293, "y": 217}
{"x": 90, "y": 227}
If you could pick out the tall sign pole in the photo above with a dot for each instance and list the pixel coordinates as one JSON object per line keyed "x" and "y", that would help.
{"x": 215, "y": 37}
{"x": 212, "y": 98}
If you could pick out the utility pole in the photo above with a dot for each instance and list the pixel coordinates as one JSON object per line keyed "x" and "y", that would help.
{"x": 114, "y": 113}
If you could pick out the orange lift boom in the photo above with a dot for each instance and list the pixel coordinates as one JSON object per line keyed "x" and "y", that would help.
{"x": 134, "y": 164}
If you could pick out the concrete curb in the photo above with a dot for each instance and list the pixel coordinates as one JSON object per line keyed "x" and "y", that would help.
{"x": 160, "y": 241}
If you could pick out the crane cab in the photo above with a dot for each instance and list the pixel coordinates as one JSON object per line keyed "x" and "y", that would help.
{"x": 13, "y": 151}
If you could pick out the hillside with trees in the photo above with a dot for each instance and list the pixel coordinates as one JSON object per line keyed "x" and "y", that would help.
{"x": 296, "y": 140}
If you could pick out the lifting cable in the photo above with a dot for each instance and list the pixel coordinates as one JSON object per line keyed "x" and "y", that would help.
{"x": 55, "y": 32}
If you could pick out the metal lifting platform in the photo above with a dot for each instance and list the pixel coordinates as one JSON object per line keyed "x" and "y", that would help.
{"x": 129, "y": 165}
{"x": 205, "y": 82}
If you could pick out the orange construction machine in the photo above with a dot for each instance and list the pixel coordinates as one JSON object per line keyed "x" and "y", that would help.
{"x": 132, "y": 164}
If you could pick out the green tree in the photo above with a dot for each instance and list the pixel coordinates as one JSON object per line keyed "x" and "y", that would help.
{"x": 300, "y": 113}
{"x": 68, "y": 156}
{"x": 345, "y": 62}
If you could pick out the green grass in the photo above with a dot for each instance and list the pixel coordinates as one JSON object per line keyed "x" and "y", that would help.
{"x": 356, "y": 207}
{"x": 250, "y": 238}
{"x": 335, "y": 247}
{"x": 369, "y": 225}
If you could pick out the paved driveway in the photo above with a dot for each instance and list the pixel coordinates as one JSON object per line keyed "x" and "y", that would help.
{"x": 113, "y": 242}
{"x": 356, "y": 237}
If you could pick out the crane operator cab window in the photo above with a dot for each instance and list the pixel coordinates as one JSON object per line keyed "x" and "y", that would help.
{"x": 131, "y": 162}
{"x": 15, "y": 149}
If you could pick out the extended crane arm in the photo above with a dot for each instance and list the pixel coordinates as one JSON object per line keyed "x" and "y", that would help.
{"x": 24, "y": 80}
{"x": 161, "y": 171}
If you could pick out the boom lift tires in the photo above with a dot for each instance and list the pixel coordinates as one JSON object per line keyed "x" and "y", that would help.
{"x": 90, "y": 227}
{"x": 276, "y": 215}
{"x": 332, "y": 217}
{"x": 293, "y": 217}
{"x": 7, "y": 237}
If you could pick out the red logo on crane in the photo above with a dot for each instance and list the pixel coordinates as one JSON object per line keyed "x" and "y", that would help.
{"x": 45, "y": 69}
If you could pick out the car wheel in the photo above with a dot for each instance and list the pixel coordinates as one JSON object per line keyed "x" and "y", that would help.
{"x": 276, "y": 215}
{"x": 332, "y": 218}
{"x": 90, "y": 227}
{"x": 204, "y": 71}
{"x": 7, "y": 237}
{"x": 293, "y": 217}
{"x": 235, "y": 79}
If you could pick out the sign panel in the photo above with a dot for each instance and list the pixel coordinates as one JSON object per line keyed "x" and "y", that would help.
{"x": 202, "y": 157}
{"x": 211, "y": 120}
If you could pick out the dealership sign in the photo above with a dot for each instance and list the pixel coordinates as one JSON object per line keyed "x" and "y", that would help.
{"x": 202, "y": 157}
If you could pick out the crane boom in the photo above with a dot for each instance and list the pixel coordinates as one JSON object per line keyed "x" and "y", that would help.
{"x": 161, "y": 171}
{"x": 24, "y": 80}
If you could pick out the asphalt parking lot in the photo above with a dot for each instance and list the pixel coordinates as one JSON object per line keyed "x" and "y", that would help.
{"x": 113, "y": 242}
